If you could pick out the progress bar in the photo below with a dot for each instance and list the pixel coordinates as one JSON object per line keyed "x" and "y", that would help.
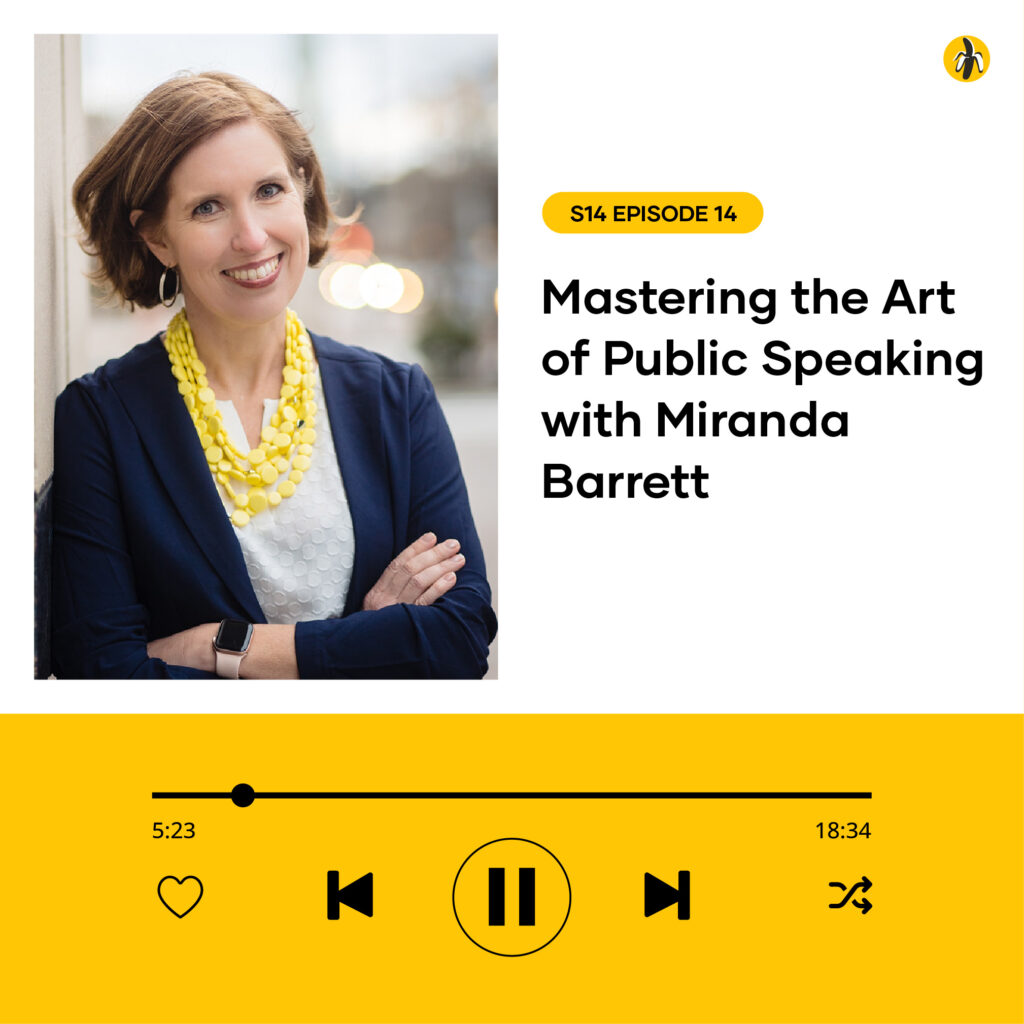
{"x": 243, "y": 795}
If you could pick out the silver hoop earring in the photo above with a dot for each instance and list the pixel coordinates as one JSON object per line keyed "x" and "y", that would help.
{"x": 177, "y": 283}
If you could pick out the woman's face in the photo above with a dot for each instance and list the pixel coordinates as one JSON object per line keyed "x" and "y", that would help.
{"x": 235, "y": 228}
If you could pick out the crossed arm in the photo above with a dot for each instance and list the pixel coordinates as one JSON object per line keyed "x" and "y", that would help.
{"x": 419, "y": 575}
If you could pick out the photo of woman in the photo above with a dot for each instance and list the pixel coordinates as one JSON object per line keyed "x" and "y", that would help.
{"x": 241, "y": 496}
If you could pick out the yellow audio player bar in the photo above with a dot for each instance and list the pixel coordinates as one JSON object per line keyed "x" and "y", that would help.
{"x": 460, "y": 868}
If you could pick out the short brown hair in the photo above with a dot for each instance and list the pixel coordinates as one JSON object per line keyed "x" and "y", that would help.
{"x": 131, "y": 172}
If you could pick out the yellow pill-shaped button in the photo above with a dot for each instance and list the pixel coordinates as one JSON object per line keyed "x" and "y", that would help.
{"x": 214, "y": 424}
{"x": 268, "y": 473}
{"x": 301, "y": 462}
{"x": 280, "y": 463}
{"x": 179, "y": 372}
{"x": 295, "y": 476}
{"x": 204, "y": 439}
{"x": 252, "y": 478}
{"x": 223, "y": 478}
{"x": 305, "y": 449}
{"x": 286, "y": 488}
{"x": 210, "y": 409}
{"x": 281, "y": 440}
{"x": 197, "y": 366}
{"x": 292, "y": 376}
{"x": 275, "y": 421}
{"x": 190, "y": 401}
{"x": 239, "y": 517}
{"x": 257, "y": 500}
{"x": 267, "y": 434}
{"x": 289, "y": 413}
{"x": 287, "y": 390}
{"x": 186, "y": 387}
{"x": 256, "y": 456}
{"x": 213, "y": 454}
{"x": 241, "y": 500}
{"x": 308, "y": 410}
{"x": 307, "y": 435}
{"x": 274, "y": 498}
{"x": 206, "y": 395}
{"x": 224, "y": 466}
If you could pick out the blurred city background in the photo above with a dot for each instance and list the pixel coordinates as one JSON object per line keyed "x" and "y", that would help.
{"x": 406, "y": 127}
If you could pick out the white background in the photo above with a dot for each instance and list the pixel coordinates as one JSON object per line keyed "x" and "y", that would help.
{"x": 881, "y": 572}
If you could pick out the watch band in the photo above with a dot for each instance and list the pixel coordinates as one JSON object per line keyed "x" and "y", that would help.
{"x": 229, "y": 663}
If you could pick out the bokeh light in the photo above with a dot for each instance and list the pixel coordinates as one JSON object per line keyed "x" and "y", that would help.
{"x": 324, "y": 281}
{"x": 345, "y": 286}
{"x": 352, "y": 243}
{"x": 381, "y": 285}
{"x": 412, "y": 292}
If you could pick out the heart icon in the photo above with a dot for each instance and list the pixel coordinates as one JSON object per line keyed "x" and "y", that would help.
{"x": 179, "y": 895}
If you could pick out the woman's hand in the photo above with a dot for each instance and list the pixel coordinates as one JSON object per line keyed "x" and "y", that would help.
{"x": 419, "y": 575}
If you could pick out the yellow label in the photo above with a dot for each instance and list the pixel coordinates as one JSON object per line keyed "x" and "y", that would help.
{"x": 630, "y": 213}
{"x": 387, "y": 868}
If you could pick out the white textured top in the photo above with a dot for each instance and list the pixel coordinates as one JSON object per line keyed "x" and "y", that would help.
{"x": 299, "y": 554}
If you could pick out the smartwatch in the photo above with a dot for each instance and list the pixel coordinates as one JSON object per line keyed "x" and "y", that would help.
{"x": 231, "y": 646}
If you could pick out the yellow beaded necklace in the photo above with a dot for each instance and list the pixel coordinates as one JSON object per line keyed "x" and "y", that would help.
{"x": 290, "y": 432}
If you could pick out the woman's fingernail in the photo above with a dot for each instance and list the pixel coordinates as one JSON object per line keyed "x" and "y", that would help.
{"x": 449, "y": 577}
{"x": 452, "y": 543}
{"x": 459, "y": 558}
{"x": 427, "y": 536}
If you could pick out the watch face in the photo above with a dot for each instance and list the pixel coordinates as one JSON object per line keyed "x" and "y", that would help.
{"x": 234, "y": 635}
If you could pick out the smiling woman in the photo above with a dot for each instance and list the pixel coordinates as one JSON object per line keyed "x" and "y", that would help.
{"x": 234, "y": 229}
{"x": 239, "y": 496}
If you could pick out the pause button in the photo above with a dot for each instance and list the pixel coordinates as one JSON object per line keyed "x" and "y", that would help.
{"x": 496, "y": 896}
{"x": 511, "y": 897}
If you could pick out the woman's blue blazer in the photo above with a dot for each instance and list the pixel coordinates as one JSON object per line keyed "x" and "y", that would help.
{"x": 142, "y": 547}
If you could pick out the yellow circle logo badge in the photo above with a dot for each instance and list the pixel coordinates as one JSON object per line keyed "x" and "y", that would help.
{"x": 966, "y": 58}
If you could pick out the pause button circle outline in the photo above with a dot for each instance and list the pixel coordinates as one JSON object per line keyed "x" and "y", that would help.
{"x": 504, "y": 839}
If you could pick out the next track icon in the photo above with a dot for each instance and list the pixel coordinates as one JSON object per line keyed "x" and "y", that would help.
{"x": 658, "y": 895}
